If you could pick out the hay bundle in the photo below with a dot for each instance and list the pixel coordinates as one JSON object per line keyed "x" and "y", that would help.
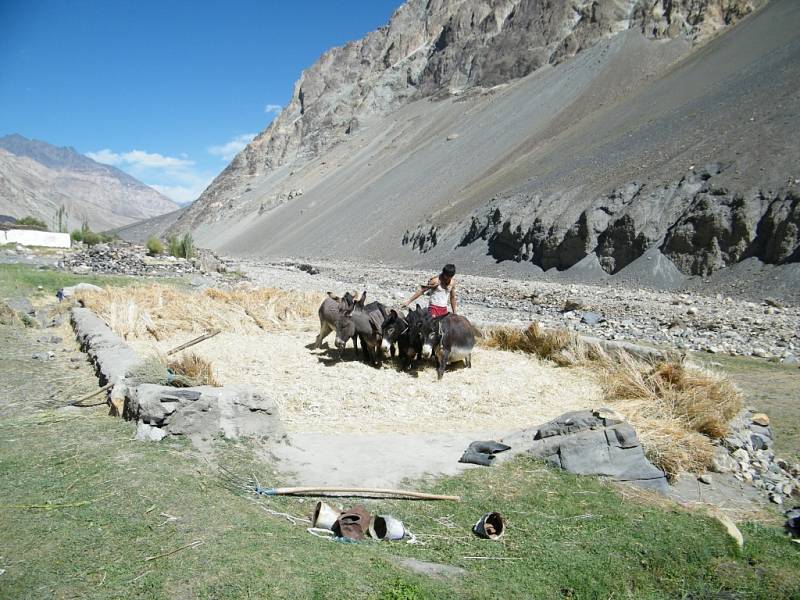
{"x": 271, "y": 308}
{"x": 187, "y": 371}
{"x": 560, "y": 346}
{"x": 676, "y": 408}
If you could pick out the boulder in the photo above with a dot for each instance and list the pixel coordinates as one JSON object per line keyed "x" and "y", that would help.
{"x": 20, "y": 305}
{"x": 233, "y": 412}
{"x": 722, "y": 461}
{"x": 585, "y": 443}
{"x": 591, "y": 318}
{"x": 71, "y": 290}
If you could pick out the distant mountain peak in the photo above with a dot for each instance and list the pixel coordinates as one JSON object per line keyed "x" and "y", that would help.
{"x": 61, "y": 176}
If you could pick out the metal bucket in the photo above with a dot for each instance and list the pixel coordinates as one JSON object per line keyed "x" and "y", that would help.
{"x": 385, "y": 527}
{"x": 324, "y": 516}
{"x": 491, "y": 526}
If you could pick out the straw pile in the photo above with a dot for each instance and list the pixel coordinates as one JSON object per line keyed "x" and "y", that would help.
{"x": 560, "y": 346}
{"x": 187, "y": 371}
{"x": 160, "y": 312}
{"x": 271, "y": 308}
{"x": 677, "y": 409}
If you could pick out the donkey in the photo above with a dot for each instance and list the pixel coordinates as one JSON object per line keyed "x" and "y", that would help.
{"x": 396, "y": 330}
{"x": 451, "y": 338}
{"x": 362, "y": 320}
{"x": 329, "y": 312}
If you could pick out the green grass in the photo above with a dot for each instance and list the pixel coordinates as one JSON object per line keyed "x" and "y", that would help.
{"x": 567, "y": 536}
{"x": 24, "y": 280}
{"x": 83, "y": 506}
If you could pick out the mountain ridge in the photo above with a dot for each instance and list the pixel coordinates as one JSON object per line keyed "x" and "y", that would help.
{"x": 547, "y": 113}
{"x": 37, "y": 178}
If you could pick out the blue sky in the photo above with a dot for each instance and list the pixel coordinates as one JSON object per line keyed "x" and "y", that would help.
{"x": 166, "y": 90}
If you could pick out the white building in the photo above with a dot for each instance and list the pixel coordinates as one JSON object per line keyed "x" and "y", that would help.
{"x": 34, "y": 237}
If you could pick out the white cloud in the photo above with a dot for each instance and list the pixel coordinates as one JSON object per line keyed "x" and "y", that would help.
{"x": 105, "y": 156}
{"x": 178, "y": 178}
{"x": 273, "y": 108}
{"x": 182, "y": 193}
{"x": 230, "y": 149}
{"x": 138, "y": 158}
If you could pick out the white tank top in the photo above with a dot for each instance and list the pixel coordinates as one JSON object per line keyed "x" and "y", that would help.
{"x": 439, "y": 296}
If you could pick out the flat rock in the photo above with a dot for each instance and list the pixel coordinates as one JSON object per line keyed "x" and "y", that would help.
{"x": 233, "y": 412}
{"x": 21, "y": 305}
{"x": 761, "y": 419}
{"x": 581, "y": 442}
{"x": 431, "y": 569}
{"x": 71, "y": 290}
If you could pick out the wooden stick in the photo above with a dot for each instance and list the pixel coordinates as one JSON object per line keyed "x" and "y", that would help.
{"x": 489, "y": 558}
{"x": 194, "y": 544}
{"x": 197, "y": 340}
{"x": 316, "y": 491}
{"x": 77, "y": 402}
{"x": 108, "y": 386}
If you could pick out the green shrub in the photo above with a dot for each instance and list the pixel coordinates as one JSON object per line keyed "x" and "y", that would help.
{"x": 173, "y": 245}
{"x": 187, "y": 246}
{"x": 76, "y": 235}
{"x": 107, "y": 238}
{"x": 90, "y": 238}
{"x": 154, "y": 246}
{"x": 181, "y": 248}
{"x": 32, "y": 222}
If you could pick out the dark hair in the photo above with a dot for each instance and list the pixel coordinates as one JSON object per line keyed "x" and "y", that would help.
{"x": 449, "y": 270}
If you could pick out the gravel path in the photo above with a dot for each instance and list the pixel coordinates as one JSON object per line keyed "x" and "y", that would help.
{"x": 683, "y": 320}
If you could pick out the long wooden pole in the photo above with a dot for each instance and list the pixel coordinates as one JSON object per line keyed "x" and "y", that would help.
{"x": 315, "y": 491}
{"x": 78, "y": 402}
{"x": 197, "y": 340}
{"x": 188, "y": 344}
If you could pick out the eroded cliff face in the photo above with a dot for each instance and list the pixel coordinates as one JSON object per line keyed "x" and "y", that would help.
{"x": 429, "y": 49}
{"x": 695, "y": 221}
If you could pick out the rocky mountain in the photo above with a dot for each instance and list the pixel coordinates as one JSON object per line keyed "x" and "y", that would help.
{"x": 37, "y": 178}
{"x": 584, "y": 136}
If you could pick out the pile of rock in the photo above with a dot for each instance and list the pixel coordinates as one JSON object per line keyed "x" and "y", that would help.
{"x": 131, "y": 259}
{"x": 768, "y": 329}
{"x": 204, "y": 412}
{"x": 748, "y": 453}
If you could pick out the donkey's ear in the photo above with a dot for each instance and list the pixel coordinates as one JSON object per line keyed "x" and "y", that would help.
{"x": 394, "y": 313}
{"x": 332, "y": 297}
{"x": 362, "y": 300}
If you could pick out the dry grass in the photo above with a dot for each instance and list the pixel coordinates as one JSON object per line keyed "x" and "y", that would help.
{"x": 8, "y": 315}
{"x": 677, "y": 409}
{"x": 187, "y": 371}
{"x": 159, "y": 312}
{"x": 192, "y": 368}
{"x": 559, "y": 345}
{"x": 271, "y": 308}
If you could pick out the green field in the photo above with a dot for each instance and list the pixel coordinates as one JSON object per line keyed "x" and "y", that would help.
{"x": 88, "y": 512}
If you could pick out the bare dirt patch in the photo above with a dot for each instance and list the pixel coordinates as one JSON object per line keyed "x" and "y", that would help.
{"x": 317, "y": 392}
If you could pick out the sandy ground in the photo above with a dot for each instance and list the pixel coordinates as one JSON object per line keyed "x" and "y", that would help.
{"x": 316, "y": 392}
{"x": 351, "y": 424}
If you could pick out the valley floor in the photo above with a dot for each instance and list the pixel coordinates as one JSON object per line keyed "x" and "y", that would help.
{"x": 87, "y": 511}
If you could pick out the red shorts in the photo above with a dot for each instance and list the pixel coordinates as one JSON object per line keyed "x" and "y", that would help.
{"x": 437, "y": 311}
